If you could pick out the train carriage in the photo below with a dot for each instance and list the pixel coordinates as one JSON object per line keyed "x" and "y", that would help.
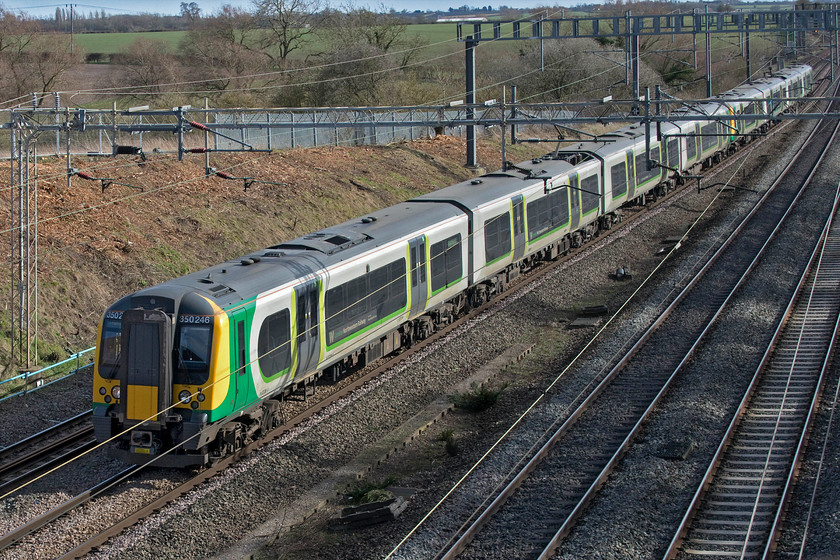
{"x": 187, "y": 371}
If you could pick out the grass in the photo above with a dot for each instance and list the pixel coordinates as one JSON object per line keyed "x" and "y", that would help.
{"x": 110, "y": 43}
{"x": 447, "y": 436}
{"x": 441, "y": 39}
{"x": 170, "y": 261}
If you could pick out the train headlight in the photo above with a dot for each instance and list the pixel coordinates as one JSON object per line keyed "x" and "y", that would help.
{"x": 102, "y": 390}
{"x": 115, "y": 391}
{"x": 193, "y": 405}
{"x": 201, "y": 397}
{"x": 184, "y": 396}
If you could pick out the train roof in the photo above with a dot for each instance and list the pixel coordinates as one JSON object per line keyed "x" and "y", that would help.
{"x": 475, "y": 193}
{"x": 236, "y": 280}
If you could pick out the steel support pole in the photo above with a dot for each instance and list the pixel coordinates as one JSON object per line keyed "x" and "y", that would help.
{"x": 634, "y": 42}
{"x": 504, "y": 129}
{"x": 470, "y": 100}
{"x": 747, "y": 50}
{"x": 708, "y": 56}
{"x": 180, "y": 133}
{"x": 12, "y": 244}
{"x": 627, "y": 53}
{"x": 513, "y": 114}
{"x": 647, "y": 130}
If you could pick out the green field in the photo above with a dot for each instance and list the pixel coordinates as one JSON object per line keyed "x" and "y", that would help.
{"x": 110, "y": 43}
{"x": 440, "y": 38}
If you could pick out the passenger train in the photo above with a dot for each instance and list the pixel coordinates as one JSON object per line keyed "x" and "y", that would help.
{"x": 192, "y": 369}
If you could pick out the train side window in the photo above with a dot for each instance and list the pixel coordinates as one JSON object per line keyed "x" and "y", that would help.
{"x": 674, "y": 153}
{"x": 618, "y": 177}
{"x": 362, "y": 301}
{"x": 643, "y": 174}
{"x": 539, "y": 217}
{"x": 356, "y": 298}
{"x": 415, "y": 273}
{"x": 422, "y": 261}
{"x": 691, "y": 144}
{"x": 273, "y": 343}
{"x": 559, "y": 202}
{"x": 590, "y": 193}
{"x": 446, "y": 262}
{"x": 709, "y": 138}
{"x": 497, "y": 237}
{"x": 110, "y": 348}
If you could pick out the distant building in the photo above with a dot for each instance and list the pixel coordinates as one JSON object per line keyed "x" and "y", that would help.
{"x": 461, "y": 19}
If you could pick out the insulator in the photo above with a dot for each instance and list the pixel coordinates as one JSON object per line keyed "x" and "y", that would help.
{"x": 198, "y": 125}
{"x": 197, "y": 150}
{"x": 128, "y": 150}
{"x": 84, "y": 175}
{"x": 224, "y": 175}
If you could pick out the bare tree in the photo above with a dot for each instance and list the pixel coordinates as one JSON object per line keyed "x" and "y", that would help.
{"x": 30, "y": 61}
{"x": 219, "y": 50}
{"x": 354, "y": 76}
{"x": 191, "y": 12}
{"x": 286, "y": 26}
{"x": 367, "y": 50}
{"x": 383, "y": 31}
{"x": 149, "y": 65}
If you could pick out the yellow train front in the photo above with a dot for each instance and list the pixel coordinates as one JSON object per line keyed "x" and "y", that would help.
{"x": 162, "y": 376}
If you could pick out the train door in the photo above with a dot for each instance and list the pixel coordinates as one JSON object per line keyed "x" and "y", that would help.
{"x": 240, "y": 367}
{"x": 518, "y": 205}
{"x": 574, "y": 197}
{"x": 145, "y": 368}
{"x": 419, "y": 283}
{"x": 307, "y": 296}
{"x": 631, "y": 174}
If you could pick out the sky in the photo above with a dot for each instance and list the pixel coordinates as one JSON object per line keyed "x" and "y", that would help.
{"x": 40, "y": 8}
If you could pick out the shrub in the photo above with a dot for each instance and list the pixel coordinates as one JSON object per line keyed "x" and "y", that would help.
{"x": 478, "y": 398}
{"x": 367, "y": 492}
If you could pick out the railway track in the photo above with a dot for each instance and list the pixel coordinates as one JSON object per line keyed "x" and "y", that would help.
{"x": 738, "y": 507}
{"x": 627, "y": 393}
{"x": 28, "y": 458}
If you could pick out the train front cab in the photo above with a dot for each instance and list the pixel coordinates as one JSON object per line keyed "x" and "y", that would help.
{"x": 157, "y": 381}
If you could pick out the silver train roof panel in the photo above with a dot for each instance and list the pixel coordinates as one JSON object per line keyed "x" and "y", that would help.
{"x": 240, "y": 279}
{"x": 475, "y": 193}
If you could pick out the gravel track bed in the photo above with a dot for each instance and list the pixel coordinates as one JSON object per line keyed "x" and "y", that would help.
{"x": 36, "y": 411}
{"x": 442, "y": 471}
{"x": 218, "y": 514}
{"x": 637, "y": 512}
{"x": 434, "y": 535}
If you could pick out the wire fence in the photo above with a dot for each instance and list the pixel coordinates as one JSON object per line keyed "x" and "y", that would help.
{"x": 75, "y": 132}
{"x": 33, "y": 380}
